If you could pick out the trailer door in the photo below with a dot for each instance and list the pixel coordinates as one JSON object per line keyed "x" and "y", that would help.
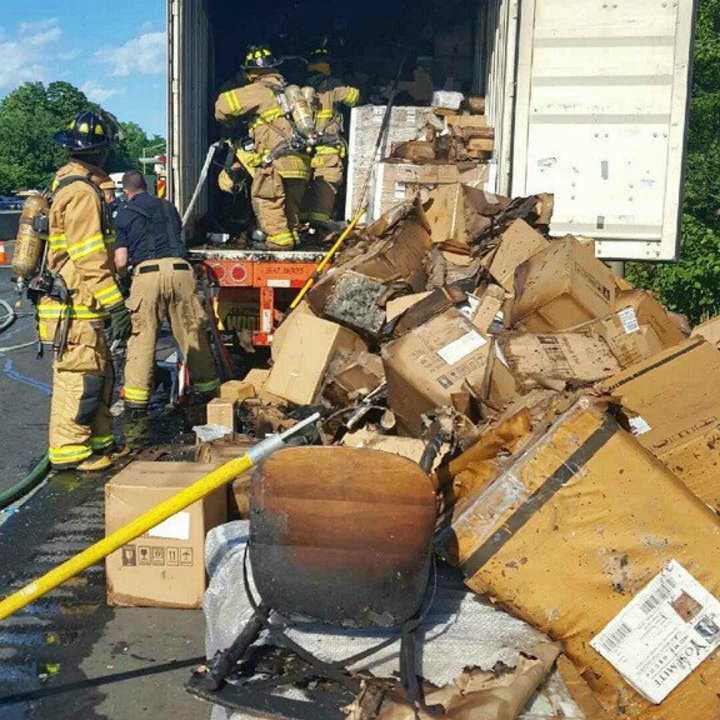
{"x": 600, "y": 119}
{"x": 188, "y": 81}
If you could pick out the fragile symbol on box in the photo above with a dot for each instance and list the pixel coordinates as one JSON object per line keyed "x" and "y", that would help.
{"x": 129, "y": 556}
{"x": 663, "y": 634}
{"x": 144, "y": 553}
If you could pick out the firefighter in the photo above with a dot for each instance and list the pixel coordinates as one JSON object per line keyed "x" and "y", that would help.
{"x": 149, "y": 239}
{"x": 80, "y": 296}
{"x": 277, "y": 162}
{"x": 327, "y": 163}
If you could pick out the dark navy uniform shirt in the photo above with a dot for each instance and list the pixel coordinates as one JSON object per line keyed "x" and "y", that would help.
{"x": 150, "y": 228}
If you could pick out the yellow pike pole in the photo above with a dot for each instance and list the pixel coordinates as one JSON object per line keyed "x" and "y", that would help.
{"x": 328, "y": 257}
{"x": 211, "y": 482}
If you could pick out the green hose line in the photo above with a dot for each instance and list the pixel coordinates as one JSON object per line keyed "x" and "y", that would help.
{"x": 28, "y": 483}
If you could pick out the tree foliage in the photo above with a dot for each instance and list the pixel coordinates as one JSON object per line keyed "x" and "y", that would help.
{"x": 692, "y": 285}
{"x": 31, "y": 114}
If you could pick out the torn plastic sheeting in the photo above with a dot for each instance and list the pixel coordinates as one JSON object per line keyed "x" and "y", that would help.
{"x": 459, "y": 631}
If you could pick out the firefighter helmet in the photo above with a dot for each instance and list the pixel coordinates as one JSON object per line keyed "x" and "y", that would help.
{"x": 88, "y": 132}
{"x": 320, "y": 60}
{"x": 260, "y": 57}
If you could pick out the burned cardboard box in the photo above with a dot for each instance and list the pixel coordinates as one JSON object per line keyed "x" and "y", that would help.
{"x": 354, "y": 294}
{"x": 309, "y": 346}
{"x": 431, "y": 363}
{"x": 353, "y": 376}
{"x": 672, "y": 401}
{"x": 560, "y": 287}
{"x": 592, "y": 540}
{"x": 164, "y": 567}
{"x": 554, "y": 361}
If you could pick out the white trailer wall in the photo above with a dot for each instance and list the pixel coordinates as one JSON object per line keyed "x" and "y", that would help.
{"x": 602, "y": 94}
{"x": 189, "y": 83}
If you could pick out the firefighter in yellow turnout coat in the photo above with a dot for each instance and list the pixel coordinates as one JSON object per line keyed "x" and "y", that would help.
{"x": 73, "y": 317}
{"x": 280, "y": 172}
{"x": 327, "y": 164}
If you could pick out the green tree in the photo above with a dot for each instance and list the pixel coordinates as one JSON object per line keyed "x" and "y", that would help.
{"x": 28, "y": 118}
{"x": 131, "y": 147}
{"x": 692, "y": 285}
{"x": 31, "y": 114}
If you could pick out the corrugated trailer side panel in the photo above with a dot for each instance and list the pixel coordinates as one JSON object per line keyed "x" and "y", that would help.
{"x": 189, "y": 85}
{"x": 601, "y": 117}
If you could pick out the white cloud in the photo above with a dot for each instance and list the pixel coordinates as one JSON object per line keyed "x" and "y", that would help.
{"x": 144, "y": 54}
{"x": 99, "y": 93}
{"x": 26, "y": 54}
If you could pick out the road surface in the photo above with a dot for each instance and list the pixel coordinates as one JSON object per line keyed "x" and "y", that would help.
{"x": 68, "y": 656}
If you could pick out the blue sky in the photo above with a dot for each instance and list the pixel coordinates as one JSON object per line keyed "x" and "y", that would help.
{"x": 113, "y": 51}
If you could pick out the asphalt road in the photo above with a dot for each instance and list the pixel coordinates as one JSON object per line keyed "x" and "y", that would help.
{"x": 69, "y": 656}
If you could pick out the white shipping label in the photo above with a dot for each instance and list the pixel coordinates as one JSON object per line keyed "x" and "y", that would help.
{"x": 400, "y": 191}
{"x": 455, "y": 351}
{"x": 629, "y": 321}
{"x": 176, "y": 527}
{"x": 663, "y": 634}
{"x": 639, "y": 426}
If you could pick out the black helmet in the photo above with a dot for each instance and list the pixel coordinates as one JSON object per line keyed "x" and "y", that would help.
{"x": 260, "y": 57}
{"x": 320, "y": 60}
{"x": 88, "y": 132}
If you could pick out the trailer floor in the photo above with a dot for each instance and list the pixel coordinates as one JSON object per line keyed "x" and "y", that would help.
{"x": 68, "y": 655}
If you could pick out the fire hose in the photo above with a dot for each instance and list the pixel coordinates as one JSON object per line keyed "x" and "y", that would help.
{"x": 148, "y": 520}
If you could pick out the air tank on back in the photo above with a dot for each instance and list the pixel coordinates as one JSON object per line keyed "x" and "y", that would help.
{"x": 30, "y": 239}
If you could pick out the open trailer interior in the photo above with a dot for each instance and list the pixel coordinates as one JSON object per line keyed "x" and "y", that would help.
{"x": 588, "y": 100}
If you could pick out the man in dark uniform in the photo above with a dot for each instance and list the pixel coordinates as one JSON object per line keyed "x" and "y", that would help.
{"x": 149, "y": 241}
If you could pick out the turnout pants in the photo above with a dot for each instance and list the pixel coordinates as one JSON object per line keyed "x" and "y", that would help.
{"x": 80, "y": 420}
{"x": 163, "y": 289}
{"x": 327, "y": 179}
{"x": 277, "y": 194}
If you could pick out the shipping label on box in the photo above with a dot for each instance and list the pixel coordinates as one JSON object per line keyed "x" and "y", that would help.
{"x": 666, "y": 631}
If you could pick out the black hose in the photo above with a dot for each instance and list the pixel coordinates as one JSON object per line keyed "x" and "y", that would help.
{"x": 28, "y": 483}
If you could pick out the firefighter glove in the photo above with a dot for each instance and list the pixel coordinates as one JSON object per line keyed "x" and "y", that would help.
{"x": 120, "y": 322}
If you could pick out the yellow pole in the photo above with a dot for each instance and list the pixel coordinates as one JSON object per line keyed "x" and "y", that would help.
{"x": 101, "y": 549}
{"x": 328, "y": 257}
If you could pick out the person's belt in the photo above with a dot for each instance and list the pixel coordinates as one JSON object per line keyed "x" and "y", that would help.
{"x": 156, "y": 268}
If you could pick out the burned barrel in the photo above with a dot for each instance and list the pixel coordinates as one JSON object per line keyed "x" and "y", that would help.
{"x": 342, "y": 535}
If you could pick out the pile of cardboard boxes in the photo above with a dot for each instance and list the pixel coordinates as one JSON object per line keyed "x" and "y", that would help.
{"x": 447, "y": 144}
{"x": 581, "y": 487}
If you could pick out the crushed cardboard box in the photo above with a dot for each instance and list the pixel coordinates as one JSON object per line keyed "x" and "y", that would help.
{"x": 580, "y": 536}
{"x": 425, "y": 367}
{"x": 650, "y": 313}
{"x": 310, "y": 344}
{"x": 710, "y": 330}
{"x": 556, "y": 360}
{"x": 673, "y": 405}
{"x": 628, "y": 340}
{"x": 517, "y": 244}
{"x": 561, "y": 287}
